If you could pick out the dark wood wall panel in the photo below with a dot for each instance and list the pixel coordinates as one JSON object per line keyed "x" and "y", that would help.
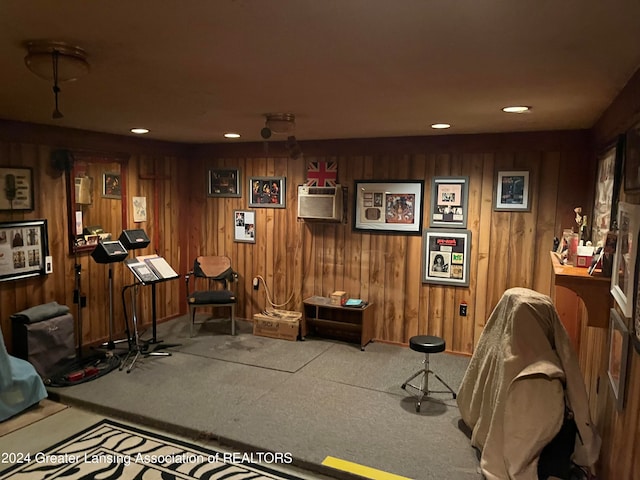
{"x": 299, "y": 259}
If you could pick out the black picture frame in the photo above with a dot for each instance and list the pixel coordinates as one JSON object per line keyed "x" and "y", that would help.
{"x": 446, "y": 257}
{"x": 224, "y": 182}
{"x": 24, "y": 248}
{"x": 17, "y": 189}
{"x": 389, "y": 206}
{"x": 449, "y": 202}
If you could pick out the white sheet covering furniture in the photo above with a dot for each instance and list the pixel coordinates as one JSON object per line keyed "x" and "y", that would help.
{"x": 20, "y": 384}
{"x": 513, "y": 393}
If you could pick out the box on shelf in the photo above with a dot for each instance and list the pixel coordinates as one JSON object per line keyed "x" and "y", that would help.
{"x": 338, "y": 297}
{"x": 281, "y": 324}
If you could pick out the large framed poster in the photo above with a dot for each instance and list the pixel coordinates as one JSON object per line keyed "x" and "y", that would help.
{"x": 446, "y": 257}
{"x": 392, "y": 206}
{"x": 23, "y": 249}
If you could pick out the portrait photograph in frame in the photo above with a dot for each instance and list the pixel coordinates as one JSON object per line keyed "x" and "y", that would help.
{"x": 618, "y": 351}
{"x": 624, "y": 259}
{"x": 449, "y": 199}
{"x": 111, "y": 186}
{"x": 244, "y": 226}
{"x": 446, "y": 257}
{"x": 268, "y": 192}
{"x": 24, "y": 247}
{"x": 224, "y": 182}
{"x": 392, "y": 206}
{"x": 17, "y": 193}
{"x": 512, "y": 191}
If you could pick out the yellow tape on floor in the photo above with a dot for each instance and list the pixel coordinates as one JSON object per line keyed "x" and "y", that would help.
{"x": 366, "y": 472}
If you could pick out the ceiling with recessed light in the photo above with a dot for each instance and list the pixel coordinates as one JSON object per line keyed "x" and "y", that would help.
{"x": 191, "y": 71}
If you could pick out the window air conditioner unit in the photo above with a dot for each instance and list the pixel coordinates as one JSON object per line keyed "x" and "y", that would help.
{"x": 320, "y": 203}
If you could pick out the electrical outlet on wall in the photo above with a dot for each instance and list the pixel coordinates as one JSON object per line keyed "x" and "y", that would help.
{"x": 463, "y": 309}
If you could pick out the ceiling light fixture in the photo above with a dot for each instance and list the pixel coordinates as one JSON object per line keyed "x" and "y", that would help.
{"x": 440, "y": 125}
{"x": 231, "y": 135}
{"x": 278, "y": 123}
{"x": 139, "y": 131}
{"x": 516, "y": 109}
{"x": 57, "y": 61}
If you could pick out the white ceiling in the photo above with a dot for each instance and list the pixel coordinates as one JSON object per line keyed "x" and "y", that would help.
{"x": 191, "y": 70}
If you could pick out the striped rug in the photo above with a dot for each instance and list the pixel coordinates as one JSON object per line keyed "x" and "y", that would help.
{"x": 111, "y": 450}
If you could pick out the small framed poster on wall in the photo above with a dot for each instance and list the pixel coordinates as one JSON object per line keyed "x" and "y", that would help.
{"x": 244, "y": 229}
{"x": 446, "y": 257}
{"x": 449, "y": 202}
{"x": 24, "y": 247}
{"x": 512, "y": 192}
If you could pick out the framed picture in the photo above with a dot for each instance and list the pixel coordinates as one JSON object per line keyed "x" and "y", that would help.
{"x": 267, "y": 192}
{"x": 24, "y": 247}
{"x": 603, "y": 202}
{"x": 17, "y": 191}
{"x": 449, "y": 199}
{"x": 244, "y": 229}
{"x": 635, "y": 321}
{"x": 446, "y": 257}
{"x": 618, "y": 350}
{"x": 111, "y": 186}
{"x": 632, "y": 159}
{"x": 224, "y": 183}
{"x": 512, "y": 191}
{"x": 393, "y": 206}
{"x": 624, "y": 259}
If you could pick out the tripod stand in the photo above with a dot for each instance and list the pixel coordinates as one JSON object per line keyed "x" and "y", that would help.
{"x": 137, "y": 346}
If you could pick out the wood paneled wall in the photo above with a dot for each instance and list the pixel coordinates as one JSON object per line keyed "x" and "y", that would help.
{"x": 299, "y": 259}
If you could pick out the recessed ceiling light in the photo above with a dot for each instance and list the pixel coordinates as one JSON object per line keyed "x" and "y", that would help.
{"x": 232, "y": 135}
{"x": 440, "y": 125}
{"x": 139, "y": 131}
{"x": 516, "y": 109}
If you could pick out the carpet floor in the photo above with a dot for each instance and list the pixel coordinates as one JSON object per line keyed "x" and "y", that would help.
{"x": 315, "y": 400}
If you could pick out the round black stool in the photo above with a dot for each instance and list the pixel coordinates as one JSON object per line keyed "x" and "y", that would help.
{"x": 426, "y": 344}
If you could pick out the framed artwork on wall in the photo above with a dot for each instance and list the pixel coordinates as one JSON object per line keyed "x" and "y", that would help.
{"x": 635, "y": 321}
{"x": 17, "y": 193}
{"x": 449, "y": 199}
{"x": 624, "y": 259}
{"x": 618, "y": 350}
{"x": 446, "y": 257}
{"x": 24, "y": 247}
{"x": 224, "y": 182}
{"x": 512, "y": 191}
{"x": 632, "y": 159}
{"x": 603, "y": 202}
{"x": 267, "y": 192}
{"x": 111, "y": 185}
{"x": 244, "y": 229}
{"x": 392, "y": 206}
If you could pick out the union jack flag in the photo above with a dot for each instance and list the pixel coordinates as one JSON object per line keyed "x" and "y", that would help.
{"x": 322, "y": 174}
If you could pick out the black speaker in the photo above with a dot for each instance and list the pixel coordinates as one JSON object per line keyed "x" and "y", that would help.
{"x": 109, "y": 252}
{"x": 132, "y": 239}
{"x": 62, "y": 160}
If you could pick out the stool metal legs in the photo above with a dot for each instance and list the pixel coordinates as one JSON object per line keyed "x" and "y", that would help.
{"x": 423, "y": 389}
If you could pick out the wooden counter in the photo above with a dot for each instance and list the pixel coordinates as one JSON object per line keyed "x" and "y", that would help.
{"x": 594, "y": 290}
